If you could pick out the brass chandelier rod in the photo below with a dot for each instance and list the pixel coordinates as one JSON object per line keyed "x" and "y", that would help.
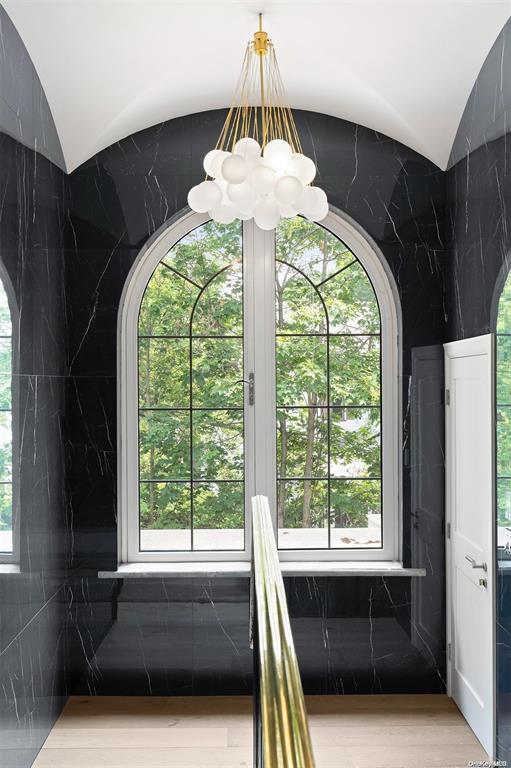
{"x": 257, "y": 168}
{"x": 273, "y": 119}
{"x": 261, "y": 48}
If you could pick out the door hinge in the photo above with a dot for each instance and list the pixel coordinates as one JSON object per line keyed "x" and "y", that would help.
{"x": 448, "y": 529}
{"x": 447, "y": 396}
{"x": 449, "y": 651}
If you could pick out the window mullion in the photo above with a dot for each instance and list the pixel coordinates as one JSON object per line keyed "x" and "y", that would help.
{"x": 262, "y": 256}
{"x": 248, "y": 368}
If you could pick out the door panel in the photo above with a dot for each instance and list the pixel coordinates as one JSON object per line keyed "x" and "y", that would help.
{"x": 468, "y": 605}
{"x": 470, "y": 548}
{"x": 472, "y": 441}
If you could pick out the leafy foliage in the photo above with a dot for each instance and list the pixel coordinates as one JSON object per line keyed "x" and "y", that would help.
{"x": 321, "y": 291}
{"x": 328, "y": 383}
{"x": 5, "y": 413}
{"x": 503, "y": 406}
{"x": 195, "y": 292}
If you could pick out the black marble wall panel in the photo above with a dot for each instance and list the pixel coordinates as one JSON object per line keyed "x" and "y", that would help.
{"x": 190, "y": 637}
{"x": 32, "y": 617}
{"x": 159, "y": 642}
{"x": 42, "y": 632}
{"x": 479, "y": 238}
{"x": 32, "y": 671}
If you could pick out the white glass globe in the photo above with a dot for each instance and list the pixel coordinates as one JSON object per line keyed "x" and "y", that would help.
{"x": 208, "y": 161}
{"x": 224, "y": 214}
{"x": 313, "y": 203}
{"x": 320, "y": 208}
{"x": 217, "y": 162}
{"x": 262, "y": 178}
{"x": 249, "y": 150}
{"x": 287, "y": 211}
{"x": 267, "y": 213}
{"x": 319, "y": 213}
{"x": 242, "y": 195}
{"x": 244, "y": 215}
{"x": 278, "y": 154}
{"x": 234, "y": 169}
{"x": 288, "y": 189}
{"x": 302, "y": 167}
{"x": 204, "y": 197}
{"x": 222, "y": 186}
{"x": 305, "y": 202}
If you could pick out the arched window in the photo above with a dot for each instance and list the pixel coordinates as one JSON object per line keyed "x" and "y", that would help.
{"x": 258, "y": 362}
{"x": 503, "y": 402}
{"x": 8, "y": 495}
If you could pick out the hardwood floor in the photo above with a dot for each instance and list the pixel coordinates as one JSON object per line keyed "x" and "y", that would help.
{"x": 216, "y": 732}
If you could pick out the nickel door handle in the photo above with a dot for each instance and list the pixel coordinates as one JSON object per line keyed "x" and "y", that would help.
{"x": 476, "y": 565}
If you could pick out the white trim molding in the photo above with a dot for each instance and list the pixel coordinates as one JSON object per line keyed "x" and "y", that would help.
{"x": 371, "y": 258}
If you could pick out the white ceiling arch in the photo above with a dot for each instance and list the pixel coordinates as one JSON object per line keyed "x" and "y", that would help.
{"x": 114, "y": 67}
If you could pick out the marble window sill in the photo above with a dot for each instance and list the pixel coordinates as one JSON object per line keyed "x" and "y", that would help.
{"x": 9, "y": 569}
{"x": 242, "y": 569}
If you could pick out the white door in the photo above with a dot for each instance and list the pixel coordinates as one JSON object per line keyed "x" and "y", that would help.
{"x": 470, "y": 532}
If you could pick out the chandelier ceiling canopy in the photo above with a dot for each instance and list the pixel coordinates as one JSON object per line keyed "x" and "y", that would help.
{"x": 258, "y": 169}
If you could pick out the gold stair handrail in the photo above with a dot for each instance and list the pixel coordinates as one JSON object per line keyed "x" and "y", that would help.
{"x": 285, "y": 741}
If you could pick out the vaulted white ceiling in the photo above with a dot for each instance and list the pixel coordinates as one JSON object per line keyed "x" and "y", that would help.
{"x": 112, "y": 68}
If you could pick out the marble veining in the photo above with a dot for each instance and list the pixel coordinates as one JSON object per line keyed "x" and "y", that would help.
{"x": 478, "y": 224}
{"x": 355, "y": 634}
{"x": 67, "y": 244}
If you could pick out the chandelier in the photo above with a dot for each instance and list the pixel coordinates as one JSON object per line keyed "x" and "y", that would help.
{"x": 258, "y": 169}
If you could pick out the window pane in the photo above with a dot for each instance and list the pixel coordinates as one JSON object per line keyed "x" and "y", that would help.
{"x": 218, "y": 445}
{"x": 355, "y": 513}
{"x": 206, "y": 250}
{"x": 5, "y": 354}
{"x": 504, "y": 370}
{"x": 302, "y": 514}
{"x": 219, "y": 310}
{"x": 351, "y": 303}
{"x": 302, "y": 448}
{"x": 5, "y": 392}
{"x": 504, "y": 442}
{"x": 504, "y": 502}
{"x": 503, "y": 414}
{"x": 164, "y": 516}
{"x": 354, "y": 370}
{"x": 167, "y": 304}
{"x": 218, "y": 516}
{"x": 6, "y": 542}
{"x": 6, "y": 488}
{"x": 504, "y": 315}
{"x": 164, "y": 445}
{"x": 355, "y": 442}
{"x": 339, "y": 369}
{"x": 301, "y": 370}
{"x": 5, "y": 446}
{"x": 217, "y": 373}
{"x": 299, "y": 308}
{"x": 163, "y": 373}
{"x": 310, "y": 248}
{"x": 196, "y": 290}
{"x": 5, "y": 314}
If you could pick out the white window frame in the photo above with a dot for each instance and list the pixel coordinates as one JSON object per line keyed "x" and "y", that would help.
{"x": 263, "y": 415}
